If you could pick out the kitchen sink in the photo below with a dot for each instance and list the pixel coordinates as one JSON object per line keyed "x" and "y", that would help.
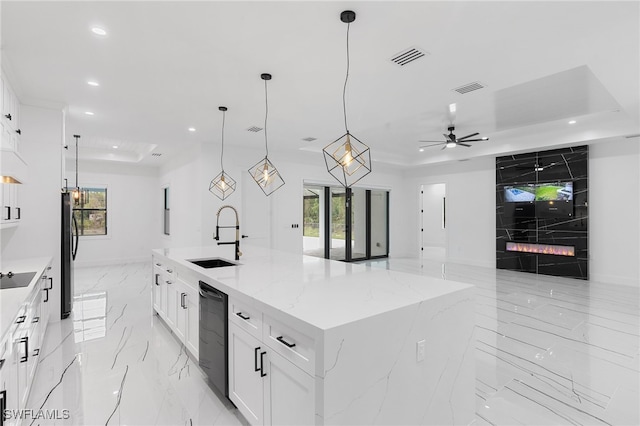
{"x": 215, "y": 262}
{"x": 21, "y": 279}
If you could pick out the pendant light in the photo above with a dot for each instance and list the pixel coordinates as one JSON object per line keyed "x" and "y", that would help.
{"x": 347, "y": 158}
{"x": 264, "y": 172}
{"x": 222, "y": 185}
{"x": 79, "y": 197}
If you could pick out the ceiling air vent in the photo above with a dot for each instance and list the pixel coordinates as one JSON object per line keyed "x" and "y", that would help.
{"x": 254, "y": 129}
{"x": 407, "y": 56}
{"x": 469, "y": 87}
{"x": 156, "y": 154}
{"x": 309, "y": 139}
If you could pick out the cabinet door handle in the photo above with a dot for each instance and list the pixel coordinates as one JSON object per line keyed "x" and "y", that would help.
{"x": 157, "y": 275}
{"x": 21, "y": 319}
{"x": 25, "y": 358}
{"x": 50, "y": 283}
{"x": 36, "y": 352}
{"x": 8, "y": 216}
{"x": 1, "y": 364}
{"x": 158, "y": 264}
{"x": 19, "y": 131}
{"x": 182, "y": 301}
{"x": 169, "y": 282}
{"x": 170, "y": 271}
{"x": 284, "y": 342}
{"x": 262, "y": 373}
{"x": 36, "y": 319}
{"x": 18, "y": 208}
{"x": 255, "y": 359}
{"x": 8, "y": 116}
{"x": 47, "y": 298}
{"x": 241, "y": 315}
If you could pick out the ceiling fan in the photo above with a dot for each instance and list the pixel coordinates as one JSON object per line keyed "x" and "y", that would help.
{"x": 451, "y": 141}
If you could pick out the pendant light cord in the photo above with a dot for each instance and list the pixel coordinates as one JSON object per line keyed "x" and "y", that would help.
{"x": 344, "y": 90}
{"x": 77, "y": 187}
{"x": 266, "y": 114}
{"x": 222, "y": 151}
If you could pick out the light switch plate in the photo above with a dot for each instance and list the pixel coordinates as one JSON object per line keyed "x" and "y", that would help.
{"x": 420, "y": 349}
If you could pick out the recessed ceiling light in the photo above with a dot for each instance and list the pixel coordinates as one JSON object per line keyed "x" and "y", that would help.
{"x": 98, "y": 31}
{"x": 115, "y": 147}
{"x": 192, "y": 129}
{"x": 421, "y": 149}
{"x": 452, "y": 108}
{"x": 572, "y": 122}
{"x": 89, "y": 113}
{"x": 93, "y": 83}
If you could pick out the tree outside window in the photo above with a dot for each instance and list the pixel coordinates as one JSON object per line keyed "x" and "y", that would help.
{"x": 91, "y": 213}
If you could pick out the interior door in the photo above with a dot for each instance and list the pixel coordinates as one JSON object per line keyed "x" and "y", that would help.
{"x": 433, "y": 231}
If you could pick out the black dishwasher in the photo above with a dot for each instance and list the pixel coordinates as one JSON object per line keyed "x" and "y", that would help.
{"x": 213, "y": 336}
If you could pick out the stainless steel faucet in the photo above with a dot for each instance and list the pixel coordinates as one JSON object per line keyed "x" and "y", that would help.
{"x": 217, "y": 234}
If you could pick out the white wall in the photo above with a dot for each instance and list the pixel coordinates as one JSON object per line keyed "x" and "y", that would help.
{"x": 133, "y": 217}
{"x": 470, "y": 187}
{"x": 614, "y": 211}
{"x": 38, "y": 234}
{"x": 266, "y": 220}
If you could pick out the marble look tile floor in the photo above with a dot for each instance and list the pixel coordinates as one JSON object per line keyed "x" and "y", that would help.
{"x": 549, "y": 351}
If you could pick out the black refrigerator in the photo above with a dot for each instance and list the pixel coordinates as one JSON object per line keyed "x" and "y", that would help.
{"x": 69, "y": 240}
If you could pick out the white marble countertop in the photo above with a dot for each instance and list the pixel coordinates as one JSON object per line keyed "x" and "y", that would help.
{"x": 12, "y": 298}
{"x": 321, "y": 293}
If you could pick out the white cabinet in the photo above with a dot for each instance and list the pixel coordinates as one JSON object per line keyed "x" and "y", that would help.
{"x": 20, "y": 347}
{"x": 11, "y": 164}
{"x": 176, "y": 300}
{"x": 267, "y": 388}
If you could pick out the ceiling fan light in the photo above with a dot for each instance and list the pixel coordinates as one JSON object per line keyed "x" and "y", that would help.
{"x": 451, "y": 145}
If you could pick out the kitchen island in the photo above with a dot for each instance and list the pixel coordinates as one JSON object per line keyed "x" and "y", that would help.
{"x": 314, "y": 341}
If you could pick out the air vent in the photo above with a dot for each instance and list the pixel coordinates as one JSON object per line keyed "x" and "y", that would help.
{"x": 156, "y": 154}
{"x": 407, "y": 56}
{"x": 469, "y": 87}
{"x": 309, "y": 139}
{"x": 254, "y": 129}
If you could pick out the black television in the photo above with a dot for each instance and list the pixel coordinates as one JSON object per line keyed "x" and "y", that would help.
{"x": 519, "y": 200}
{"x": 554, "y": 199}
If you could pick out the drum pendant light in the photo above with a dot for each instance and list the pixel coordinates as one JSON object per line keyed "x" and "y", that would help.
{"x": 222, "y": 185}
{"x": 347, "y": 158}
{"x": 264, "y": 172}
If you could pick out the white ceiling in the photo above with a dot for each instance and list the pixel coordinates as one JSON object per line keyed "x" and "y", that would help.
{"x": 167, "y": 66}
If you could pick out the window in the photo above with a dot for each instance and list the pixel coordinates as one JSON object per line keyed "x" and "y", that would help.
{"x": 166, "y": 218}
{"x": 91, "y": 213}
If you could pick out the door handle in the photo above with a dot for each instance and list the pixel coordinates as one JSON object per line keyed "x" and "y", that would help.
{"x": 25, "y": 340}
{"x": 262, "y": 373}
{"x": 241, "y": 315}
{"x": 157, "y": 275}
{"x": 284, "y": 342}
{"x": 47, "y": 298}
{"x": 51, "y": 283}
{"x": 255, "y": 359}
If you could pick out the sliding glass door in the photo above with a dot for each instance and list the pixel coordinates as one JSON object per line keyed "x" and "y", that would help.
{"x": 345, "y": 224}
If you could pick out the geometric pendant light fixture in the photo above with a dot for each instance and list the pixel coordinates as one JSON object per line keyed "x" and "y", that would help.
{"x": 347, "y": 158}
{"x": 222, "y": 185}
{"x": 264, "y": 173}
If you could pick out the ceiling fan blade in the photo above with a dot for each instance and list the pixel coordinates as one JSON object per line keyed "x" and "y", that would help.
{"x": 473, "y": 140}
{"x": 430, "y": 141}
{"x": 464, "y": 144}
{"x": 468, "y": 136}
{"x": 444, "y": 147}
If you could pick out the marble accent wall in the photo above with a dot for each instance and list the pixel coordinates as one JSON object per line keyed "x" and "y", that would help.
{"x": 534, "y": 221}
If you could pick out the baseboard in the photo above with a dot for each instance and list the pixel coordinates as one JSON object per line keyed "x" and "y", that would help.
{"x": 614, "y": 279}
{"x": 107, "y": 262}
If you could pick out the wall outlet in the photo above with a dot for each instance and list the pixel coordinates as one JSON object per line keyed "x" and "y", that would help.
{"x": 420, "y": 349}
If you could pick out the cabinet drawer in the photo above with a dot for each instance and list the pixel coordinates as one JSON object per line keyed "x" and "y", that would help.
{"x": 249, "y": 319}
{"x": 295, "y": 346}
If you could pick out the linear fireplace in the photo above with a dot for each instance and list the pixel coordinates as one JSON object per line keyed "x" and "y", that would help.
{"x": 552, "y": 249}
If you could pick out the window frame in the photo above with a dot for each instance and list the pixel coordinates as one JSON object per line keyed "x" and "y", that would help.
{"x": 82, "y": 209}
